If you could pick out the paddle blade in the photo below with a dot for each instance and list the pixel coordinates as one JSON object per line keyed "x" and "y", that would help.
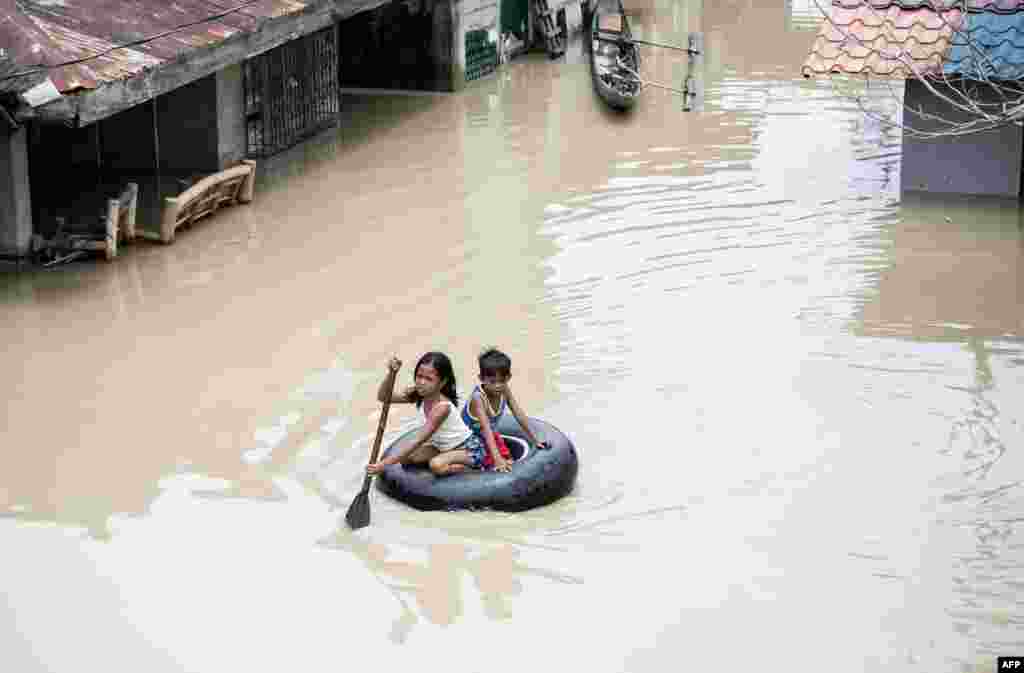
{"x": 358, "y": 515}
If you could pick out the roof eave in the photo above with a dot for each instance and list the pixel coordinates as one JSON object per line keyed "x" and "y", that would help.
{"x": 63, "y": 111}
{"x": 88, "y": 106}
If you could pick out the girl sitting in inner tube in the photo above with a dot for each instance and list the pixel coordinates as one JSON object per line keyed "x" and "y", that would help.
{"x": 444, "y": 442}
{"x": 488, "y": 403}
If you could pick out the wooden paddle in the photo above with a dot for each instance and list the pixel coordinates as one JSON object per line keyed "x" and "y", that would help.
{"x": 358, "y": 515}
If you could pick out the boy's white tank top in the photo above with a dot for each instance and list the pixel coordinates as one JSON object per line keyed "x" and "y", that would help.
{"x": 453, "y": 431}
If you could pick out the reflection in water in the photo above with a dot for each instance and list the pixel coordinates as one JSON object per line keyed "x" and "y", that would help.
{"x": 485, "y": 546}
{"x": 979, "y": 429}
{"x": 989, "y": 506}
{"x": 954, "y": 273}
{"x": 435, "y": 586}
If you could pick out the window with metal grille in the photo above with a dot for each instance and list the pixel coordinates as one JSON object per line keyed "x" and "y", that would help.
{"x": 291, "y": 92}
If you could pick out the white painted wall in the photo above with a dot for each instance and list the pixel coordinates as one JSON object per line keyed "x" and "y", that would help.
{"x": 479, "y": 14}
{"x": 473, "y": 15}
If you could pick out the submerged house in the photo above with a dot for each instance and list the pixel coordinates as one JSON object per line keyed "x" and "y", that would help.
{"x": 95, "y": 94}
{"x": 957, "y": 47}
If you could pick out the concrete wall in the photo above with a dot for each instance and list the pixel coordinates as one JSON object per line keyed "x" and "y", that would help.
{"x": 405, "y": 45}
{"x": 985, "y": 163}
{"x": 231, "y": 140}
{"x": 201, "y": 128}
{"x": 573, "y": 15}
{"x": 442, "y": 45}
{"x": 82, "y": 146}
{"x": 15, "y": 200}
{"x": 458, "y": 33}
{"x": 188, "y": 119}
{"x": 63, "y": 150}
{"x": 128, "y": 140}
{"x": 479, "y": 14}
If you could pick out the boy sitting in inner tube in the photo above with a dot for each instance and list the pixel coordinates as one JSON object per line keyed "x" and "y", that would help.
{"x": 488, "y": 403}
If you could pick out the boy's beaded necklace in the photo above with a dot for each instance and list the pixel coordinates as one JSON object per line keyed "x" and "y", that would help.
{"x": 487, "y": 403}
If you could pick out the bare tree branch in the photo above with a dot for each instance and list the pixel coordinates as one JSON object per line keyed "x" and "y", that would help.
{"x": 975, "y": 100}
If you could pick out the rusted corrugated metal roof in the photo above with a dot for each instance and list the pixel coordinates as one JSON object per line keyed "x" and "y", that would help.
{"x": 23, "y": 45}
{"x": 889, "y": 43}
{"x": 48, "y": 32}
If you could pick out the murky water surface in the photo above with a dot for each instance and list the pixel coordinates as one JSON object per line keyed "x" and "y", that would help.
{"x": 792, "y": 391}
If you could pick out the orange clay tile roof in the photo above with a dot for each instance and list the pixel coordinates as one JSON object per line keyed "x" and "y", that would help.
{"x": 890, "y": 43}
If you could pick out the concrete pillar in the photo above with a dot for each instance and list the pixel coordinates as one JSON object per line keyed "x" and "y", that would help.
{"x": 15, "y": 199}
{"x": 443, "y": 41}
{"x": 231, "y": 130}
{"x": 458, "y": 46}
{"x": 202, "y": 124}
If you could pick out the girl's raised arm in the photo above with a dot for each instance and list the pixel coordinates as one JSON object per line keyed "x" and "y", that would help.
{"x": 398, "y": 397}
{"x": 403, "y": 396}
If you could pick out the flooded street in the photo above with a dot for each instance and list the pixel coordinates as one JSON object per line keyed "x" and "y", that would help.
{"x": 791, "y": 389}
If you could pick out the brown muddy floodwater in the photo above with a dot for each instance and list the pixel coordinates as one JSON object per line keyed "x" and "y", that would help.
{"x": 791, "y": 388}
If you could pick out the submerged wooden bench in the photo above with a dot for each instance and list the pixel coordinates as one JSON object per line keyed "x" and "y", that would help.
{"x": 226, "y": 188}
{"x": 121, "y": 217}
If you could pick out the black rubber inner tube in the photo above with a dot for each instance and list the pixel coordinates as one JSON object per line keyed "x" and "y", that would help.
{"x": 538, "y": 476}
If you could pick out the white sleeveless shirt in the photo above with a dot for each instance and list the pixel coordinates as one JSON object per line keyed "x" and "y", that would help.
{"x": 452, "y": 433}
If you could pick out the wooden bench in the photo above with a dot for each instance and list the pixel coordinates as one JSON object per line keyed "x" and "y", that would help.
{"x": 120, "y": 224}
{"x": 226, "y": 188}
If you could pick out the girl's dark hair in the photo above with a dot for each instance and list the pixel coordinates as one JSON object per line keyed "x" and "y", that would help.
{"x": 443, "y": 366}
{"x": 493, "y": 361}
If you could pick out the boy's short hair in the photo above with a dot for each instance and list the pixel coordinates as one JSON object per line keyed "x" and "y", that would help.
{"x": 493, "y": 361}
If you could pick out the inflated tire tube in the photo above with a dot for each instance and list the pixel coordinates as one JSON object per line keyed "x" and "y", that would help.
{"x": 538, "y": 476}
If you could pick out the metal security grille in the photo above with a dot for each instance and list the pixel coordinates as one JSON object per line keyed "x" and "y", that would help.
{"x": 291, "y": 92}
